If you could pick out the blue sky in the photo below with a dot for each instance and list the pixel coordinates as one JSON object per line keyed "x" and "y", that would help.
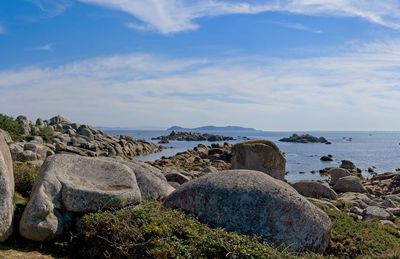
{"x": 272, "y": 65}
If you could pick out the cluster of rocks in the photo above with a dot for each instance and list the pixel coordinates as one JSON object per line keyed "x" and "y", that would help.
{"x": 191, "y": 136}
{"x": 305, "y": 138}
{"x": 203, "y": 158}
{"x": 377, "y": 198}
{"x": 64, "y": 136}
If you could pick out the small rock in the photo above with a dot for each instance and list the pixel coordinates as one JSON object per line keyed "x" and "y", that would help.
{"x": 349, "y": 184}
{"x": 375, "y": 212}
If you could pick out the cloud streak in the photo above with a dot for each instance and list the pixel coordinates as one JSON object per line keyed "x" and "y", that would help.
{"x": 2, "y": 29}
{"x": 171, "y": 16}
{"x": 356, "y": 90}
{"x": 49, "y": 47}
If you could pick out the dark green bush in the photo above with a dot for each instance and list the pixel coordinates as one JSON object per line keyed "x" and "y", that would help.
{"x": 11, "y": 126}
{"x": 24, "y": 176}
{"x": 46, "y": 134}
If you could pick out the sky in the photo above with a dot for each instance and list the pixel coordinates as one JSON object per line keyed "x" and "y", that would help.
{"x": 149, "y": 64}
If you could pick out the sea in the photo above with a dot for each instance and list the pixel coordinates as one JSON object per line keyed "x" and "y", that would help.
{"x": 380, "y": 150}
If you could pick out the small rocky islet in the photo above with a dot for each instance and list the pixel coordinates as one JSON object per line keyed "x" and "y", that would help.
{"x": 191, "y": 136}
{"x": 79, "y": 197}
{"x": 305, "y": 138}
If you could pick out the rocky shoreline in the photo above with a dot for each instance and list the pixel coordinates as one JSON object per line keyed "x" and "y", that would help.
{"x": 244, "y": 184}
{"x": 59, "y": 135}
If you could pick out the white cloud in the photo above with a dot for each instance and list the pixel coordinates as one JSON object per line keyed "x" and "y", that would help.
{"x": 46, "y": 47}
{"x": 170, "y": 16}
{"x": 356, "y": 90}
{"x": 298, "y": 26}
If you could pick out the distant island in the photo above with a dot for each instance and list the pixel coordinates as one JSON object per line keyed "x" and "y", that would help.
{"x": 211, "y": 128}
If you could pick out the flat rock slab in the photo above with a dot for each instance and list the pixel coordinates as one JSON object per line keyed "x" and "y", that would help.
{"x": 6, "y": 190}
{"x": 252, "y": 202}
{"x": 70, "y": 183}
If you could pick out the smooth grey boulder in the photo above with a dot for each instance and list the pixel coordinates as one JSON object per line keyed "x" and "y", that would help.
{"x": 375, "y": 212}
{"x": 6, "y": 190}
{"x": 336, "y": 173}
{"x": 349, "y": 184}
{"x": 152, "y": 183}
{"x": 252, "y": 202}
{"x": 259, "y": 155}
{"x": 71, "y": 183}
{"x": 315, "y": 189}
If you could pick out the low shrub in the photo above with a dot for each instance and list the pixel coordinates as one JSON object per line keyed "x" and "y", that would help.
{"x": 11, "y": 126}
{"x": 151, "y": 231}
{"x": 353, "y": 238}
{"x": 24, "y": 176}
{"x": 47, "y": 134}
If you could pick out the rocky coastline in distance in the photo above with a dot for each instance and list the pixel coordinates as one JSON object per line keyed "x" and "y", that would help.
{"x": 92, "y": 196}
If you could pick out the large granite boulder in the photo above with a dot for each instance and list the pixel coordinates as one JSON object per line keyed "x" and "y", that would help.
{"x": 315, "y": 189}
{"x": 152, "y": 183}
{"x": 259, "y": 155}
{"x": 252, "y": 202}
{"x": 74, "y": 184}
{"x": 336, "y": 173}
{"x": 6, "y": 190}
{"x": 349, "y": 184}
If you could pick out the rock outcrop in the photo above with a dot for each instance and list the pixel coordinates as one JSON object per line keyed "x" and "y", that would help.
{"x": 60, "y": 135}
{"x": 252, "y": 202}
{"x": 315, "y": 189}
{"x": 306, "y": 138}
{"x": 6, "y": 190}
{"x": 349, "y": 184}
{"x": 259, "y": 155}
{"x": 337, "y": 173}
{"x": 200, "y": 160}
{"x": 74, "y": 184}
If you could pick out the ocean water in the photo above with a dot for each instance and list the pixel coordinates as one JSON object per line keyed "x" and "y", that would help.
{"x": 367, "y": 149}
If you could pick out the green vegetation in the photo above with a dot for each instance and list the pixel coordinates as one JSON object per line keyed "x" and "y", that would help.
{"x": 151, "y": 231}
{"x": 11, "y": 126}
{"x": 25, "y": 176}
{"x": 47, "y": 134}
{"x": 359, "y": 239}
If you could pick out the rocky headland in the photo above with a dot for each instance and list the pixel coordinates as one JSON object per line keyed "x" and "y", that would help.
{"x": 58, "y": 135}
{"x": 109, "y": 205}
{"x": 192, "y": 136}
{"x": 305, "y": 138}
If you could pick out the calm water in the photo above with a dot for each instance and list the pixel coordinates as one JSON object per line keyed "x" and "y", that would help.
{"x": 367, "y": 149}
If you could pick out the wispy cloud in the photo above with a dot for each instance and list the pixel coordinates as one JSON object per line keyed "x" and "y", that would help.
{"x": 52, "y": 7}
{"x": 298, "y": 26}
{"x": 138, "y": 27}
{"x": 359, "y": 88}
{"x": 46, "y": 47}
{"x": 166, "y": 16}
{"x": 2, "y": 29}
